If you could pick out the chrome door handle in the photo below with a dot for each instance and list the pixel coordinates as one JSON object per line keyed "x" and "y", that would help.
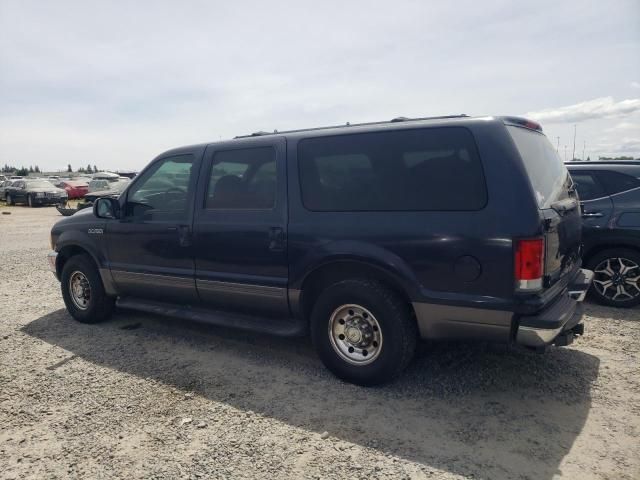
{"x": 592, "y": 214}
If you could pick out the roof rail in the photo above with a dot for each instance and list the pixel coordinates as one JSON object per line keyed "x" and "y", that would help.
{"x": 602, "y": 162}
{"x": 393, "y": 120}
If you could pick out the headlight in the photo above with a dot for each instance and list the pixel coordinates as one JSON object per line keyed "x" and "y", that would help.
{"x": 39, "y": 194}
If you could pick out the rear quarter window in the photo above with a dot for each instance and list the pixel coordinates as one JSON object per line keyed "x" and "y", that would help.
{"x": 546, "y": 171}
{"x": 431, "y": 169}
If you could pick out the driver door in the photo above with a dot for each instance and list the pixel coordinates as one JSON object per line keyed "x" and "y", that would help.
{"x": 150, "y": 246}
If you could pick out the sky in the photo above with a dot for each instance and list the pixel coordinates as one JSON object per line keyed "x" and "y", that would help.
{"x": 115, "y": 83}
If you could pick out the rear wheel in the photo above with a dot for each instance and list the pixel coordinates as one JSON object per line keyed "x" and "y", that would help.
{"x": 83, "y": 292}
{"x": 363, "y": 332}
{"x": 616, "y": 280}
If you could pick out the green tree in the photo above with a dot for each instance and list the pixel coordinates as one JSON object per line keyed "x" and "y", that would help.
{"x": 69, "y": 169}
{"x": 30, "y": 168}
{"x": 88, "y": 169}
{"x": 95, "y": 169}
{"x": 37, "y": 169}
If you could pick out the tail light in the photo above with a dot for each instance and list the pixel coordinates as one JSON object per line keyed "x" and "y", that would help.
{"x": 529, "y": 264}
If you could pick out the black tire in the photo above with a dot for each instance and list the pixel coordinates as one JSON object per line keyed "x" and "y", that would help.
{"x": 100, "y": 306}
{"x": 9, "y": 200}
{"x": 396, "y": 324}
{"x": 596, "y": 262}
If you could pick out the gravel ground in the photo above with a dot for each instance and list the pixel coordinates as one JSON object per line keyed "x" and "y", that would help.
{"x": 147, "y": 397}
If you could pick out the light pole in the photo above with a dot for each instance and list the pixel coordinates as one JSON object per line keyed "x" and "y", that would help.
{"x": 558, "y": 145}
{"x": 565, "y": 153}
{"x": 584, "y": 147}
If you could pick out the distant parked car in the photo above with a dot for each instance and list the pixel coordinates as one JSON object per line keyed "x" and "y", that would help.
{"x": 74, "y": 188}
{"x": 103, "y": 184}
{"x": 610, "y": 200}
{"x": 34, "y": 193}
{"x": 3, "y": 188}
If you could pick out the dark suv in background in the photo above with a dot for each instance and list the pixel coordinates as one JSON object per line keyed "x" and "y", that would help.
{"x": 366, "y": 236}
{"x": 610, "y": 198}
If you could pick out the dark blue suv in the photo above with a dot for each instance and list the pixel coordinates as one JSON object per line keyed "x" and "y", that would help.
{"x": 367, "y": 237}
{"x": 610, "y": 198}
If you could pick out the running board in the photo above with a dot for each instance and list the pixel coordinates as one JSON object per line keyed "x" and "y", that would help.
{"x": 274, "y": 326}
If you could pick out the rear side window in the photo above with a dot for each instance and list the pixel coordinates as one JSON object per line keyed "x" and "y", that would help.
{"x": 243, "y": 179}
{"x": 423, "y": 169}
{"x": 587, "y": 186}
{"x": 616, "y": 182}
{"x": 545, "y": 169}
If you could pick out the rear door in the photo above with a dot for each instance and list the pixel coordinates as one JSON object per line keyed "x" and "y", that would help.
{"x": 558, "y": 203}
{"x": 240, "y": 227}
{"x": 597, "y": 206}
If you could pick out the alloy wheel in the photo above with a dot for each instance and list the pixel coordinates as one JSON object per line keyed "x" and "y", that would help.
{"x": 617, "y": 279}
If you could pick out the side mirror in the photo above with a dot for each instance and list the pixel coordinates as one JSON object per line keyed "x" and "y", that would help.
{"x": 106, "y": 207}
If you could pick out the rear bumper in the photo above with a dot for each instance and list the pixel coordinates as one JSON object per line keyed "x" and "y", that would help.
{"x": 560, "y": 319}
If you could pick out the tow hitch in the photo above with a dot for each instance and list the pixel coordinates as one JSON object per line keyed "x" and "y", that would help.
{"x": 566, "y": 337}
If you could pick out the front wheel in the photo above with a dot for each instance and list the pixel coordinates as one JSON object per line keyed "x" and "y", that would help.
{"x": 9, "y": 200}
{"x": 83, "y": 292}
{"x": 616, "y": 280}
{"x": 363, "y": 332}
{"x": 30, "y": 201}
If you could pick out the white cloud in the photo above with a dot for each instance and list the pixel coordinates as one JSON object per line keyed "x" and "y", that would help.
{"x": 635, "y": 84}
{"x": 624, "y": 126}
{"x": 625, "y": 145}
{"x": 120, "y": 82}
{"x": 604, "y": 107}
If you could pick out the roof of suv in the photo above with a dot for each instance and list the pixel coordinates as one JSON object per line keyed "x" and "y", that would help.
{"x": 445, "y": 120}
{"x": 389, "y": 124}
{"x": 629, "y": 167}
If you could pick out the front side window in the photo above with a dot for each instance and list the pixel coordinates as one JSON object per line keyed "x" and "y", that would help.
{"x": 162, "y": 191}
{"x": 435, "y": 169}
{"x": 243, "y": 179}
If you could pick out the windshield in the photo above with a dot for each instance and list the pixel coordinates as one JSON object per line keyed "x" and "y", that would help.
{"x": 547, "y": 173}
{"x": 39, "y": 184}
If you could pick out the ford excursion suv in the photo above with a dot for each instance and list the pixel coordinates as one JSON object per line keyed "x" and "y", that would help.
{"x": 368, "y": 237}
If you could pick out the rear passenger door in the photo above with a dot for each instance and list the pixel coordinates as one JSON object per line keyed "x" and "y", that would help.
{"x": 594, "y": 200}
{"x": 240, "y": 227}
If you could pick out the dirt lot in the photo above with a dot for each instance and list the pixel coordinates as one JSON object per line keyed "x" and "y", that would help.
{"x": 147, "y": 397}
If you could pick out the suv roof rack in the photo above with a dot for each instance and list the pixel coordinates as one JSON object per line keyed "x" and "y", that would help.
{"x": 348, "y": 124}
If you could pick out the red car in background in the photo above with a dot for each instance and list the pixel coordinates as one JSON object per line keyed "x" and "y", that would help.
{"x": 75, "y": 189}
